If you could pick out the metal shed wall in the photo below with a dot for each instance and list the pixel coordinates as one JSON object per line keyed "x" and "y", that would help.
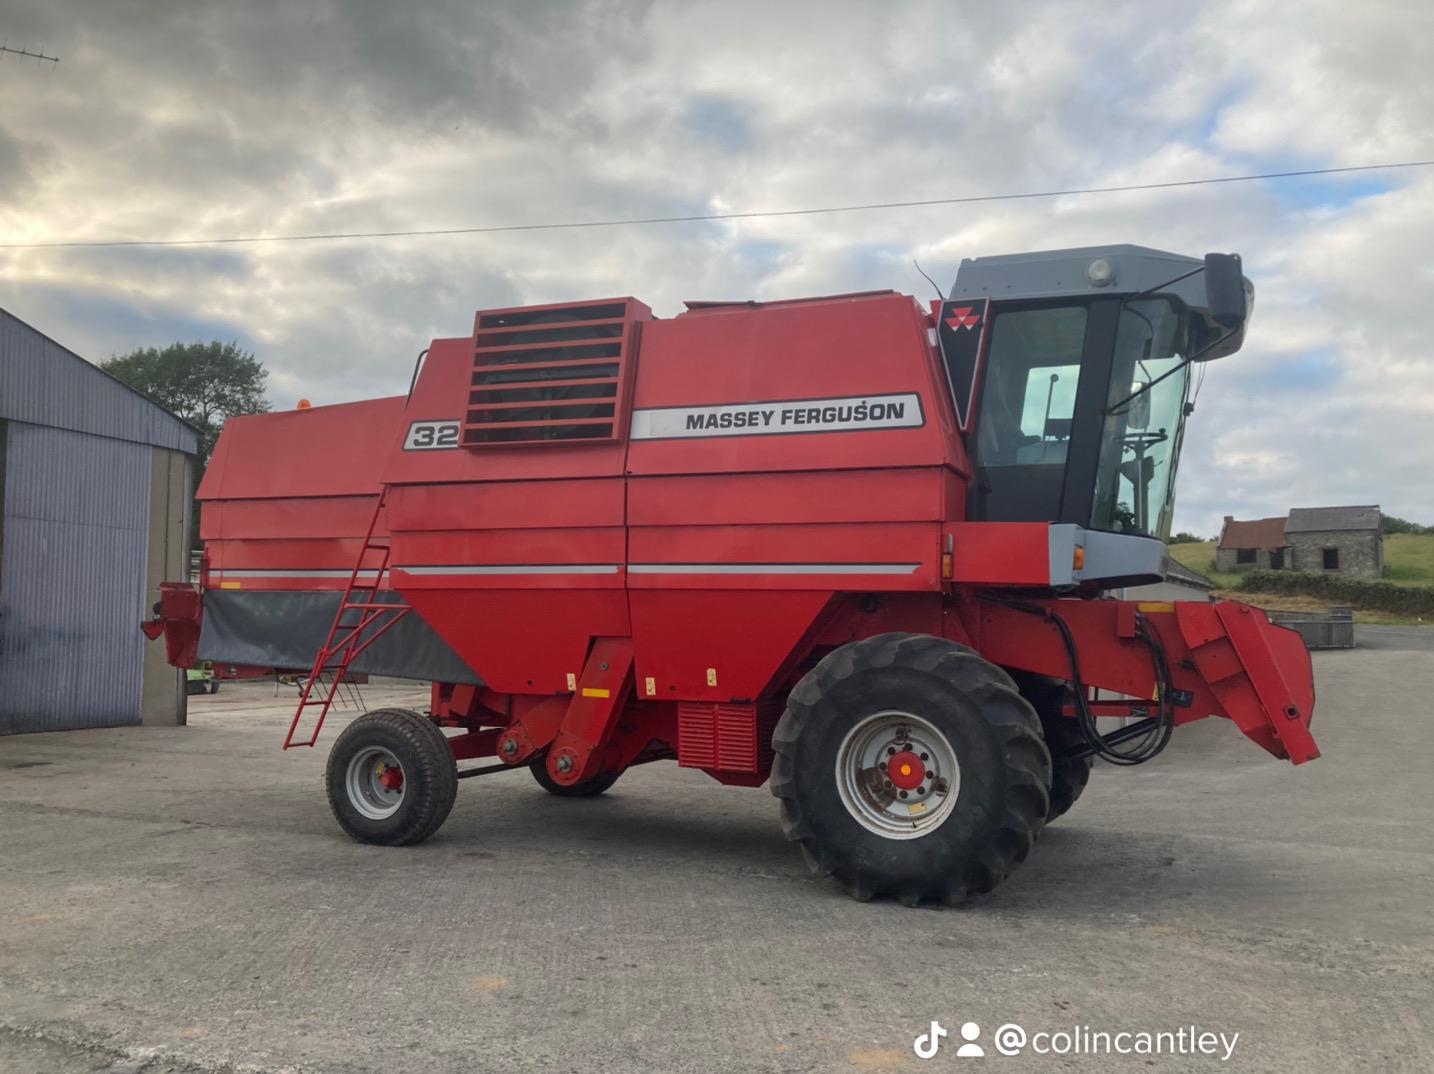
{"x": 72, "y": 579}
{"x": 43, "y": 383}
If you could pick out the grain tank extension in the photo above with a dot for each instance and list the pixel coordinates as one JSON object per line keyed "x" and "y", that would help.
{"x": 849, "y": 546}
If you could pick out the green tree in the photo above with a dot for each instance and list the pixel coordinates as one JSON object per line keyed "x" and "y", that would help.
{"x": 203, "y": 383}
{"x": 1390, "y": 524}
{"x": 1185, "y": 538}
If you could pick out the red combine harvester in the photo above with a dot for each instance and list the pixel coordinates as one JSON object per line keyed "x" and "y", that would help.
{"x": 855, "y": 546}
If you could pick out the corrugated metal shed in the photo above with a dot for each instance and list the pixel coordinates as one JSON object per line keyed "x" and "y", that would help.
{"x": 43, "y": 383}
{"x": 78, "y": 531}
{"x": 72, "y": 567}
{"x": 1326, "y": 519}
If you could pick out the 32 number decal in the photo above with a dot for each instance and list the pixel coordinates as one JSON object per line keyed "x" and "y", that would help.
{"x": 431, "y": 436}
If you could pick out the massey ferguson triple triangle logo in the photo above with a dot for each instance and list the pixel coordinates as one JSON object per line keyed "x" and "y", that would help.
{"x": 963, "y": 317}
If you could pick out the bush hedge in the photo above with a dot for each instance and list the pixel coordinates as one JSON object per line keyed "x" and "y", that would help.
{"x": 1338, "y": 589}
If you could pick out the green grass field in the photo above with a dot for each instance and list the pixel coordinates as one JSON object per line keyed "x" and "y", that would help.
{"x": 1201, "y": 557}
{"x": 1409, "y": 559}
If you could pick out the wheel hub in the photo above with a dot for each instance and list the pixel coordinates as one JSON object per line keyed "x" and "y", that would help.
{"x": 374, "y": 782}
{"x": 906, "y": 771}
{"x": 897, "y": 775}
{"x": 390, "y": 776}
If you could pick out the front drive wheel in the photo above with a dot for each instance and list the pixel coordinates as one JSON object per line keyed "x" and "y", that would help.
{"x": 391, "y": 778}
{"x": 907, "y": 765}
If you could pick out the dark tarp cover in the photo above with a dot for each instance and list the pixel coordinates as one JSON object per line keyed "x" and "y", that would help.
{"x": 284, "y": 630}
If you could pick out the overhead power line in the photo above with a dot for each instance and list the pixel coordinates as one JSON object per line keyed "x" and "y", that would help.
{"x": 38, "y": 57}
{"x": 492, "y": 229}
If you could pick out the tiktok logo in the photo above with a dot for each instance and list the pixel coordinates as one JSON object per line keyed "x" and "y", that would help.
{"x": 928, "y": 1044}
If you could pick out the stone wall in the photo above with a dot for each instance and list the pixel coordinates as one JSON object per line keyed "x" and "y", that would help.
{"x": 1361, "y": 552}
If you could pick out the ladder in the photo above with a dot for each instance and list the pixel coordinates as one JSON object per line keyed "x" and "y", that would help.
{"x": 362, "y": 619}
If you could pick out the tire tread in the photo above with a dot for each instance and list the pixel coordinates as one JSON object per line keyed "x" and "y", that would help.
{"x": 1009, "y": 714}
{"x": 437, "y": 777}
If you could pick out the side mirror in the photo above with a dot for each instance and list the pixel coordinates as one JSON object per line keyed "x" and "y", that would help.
{"x": 1225, "y": 290}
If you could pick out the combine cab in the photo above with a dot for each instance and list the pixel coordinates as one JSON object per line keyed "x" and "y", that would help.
{"x": 848, "y": 546}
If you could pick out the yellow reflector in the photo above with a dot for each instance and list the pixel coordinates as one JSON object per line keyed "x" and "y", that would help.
{"x": 230, "y": 585}
{"x": 1078, "y": 559}
{"x": 591, "y": 691}
{"x": 1155, "y": 606}
{"x": 948, "y": 566}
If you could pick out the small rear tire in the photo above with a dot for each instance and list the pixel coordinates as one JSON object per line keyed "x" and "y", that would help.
{"x": 908, "y": 765}
{"x": 214, "y": 687}
{"x": 588, "y": 788}
{"x": 391, "y": 778}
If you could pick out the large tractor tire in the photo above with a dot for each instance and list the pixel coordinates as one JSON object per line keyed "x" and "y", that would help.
{"x": 588, "y": 788}
{"x": 1069, "y": 775}
{"x": 391, "y": 778}
{"x": 907, "y": 765}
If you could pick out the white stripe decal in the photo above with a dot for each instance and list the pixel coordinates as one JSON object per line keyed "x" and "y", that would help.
{"x": 773, "y": 568}
{"x": 517, "y": 568}
{"x": 221, "y": 573}
{"x": 597, "y": 568}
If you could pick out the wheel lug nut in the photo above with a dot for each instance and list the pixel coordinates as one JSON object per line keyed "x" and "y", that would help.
{"x": 903, "y": 794}
{"x": 920, "y": 790}
{"x": 891, "y": 751}
{"x": 882, "y": 766}
{"x": 925, "y": 757}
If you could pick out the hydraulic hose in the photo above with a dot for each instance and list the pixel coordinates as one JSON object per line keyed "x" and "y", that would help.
{"x": 1149, "y": 745}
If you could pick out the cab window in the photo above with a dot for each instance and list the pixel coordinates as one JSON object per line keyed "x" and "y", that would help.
{"x": 1028, "y": 399}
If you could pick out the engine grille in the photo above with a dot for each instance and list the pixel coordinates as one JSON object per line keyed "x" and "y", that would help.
{"x": 558, "y": 374}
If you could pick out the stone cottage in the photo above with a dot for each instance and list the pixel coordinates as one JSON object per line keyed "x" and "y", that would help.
{"x": 1343, "y": 539}
{"x": 1316, "y": 539}
{"x": 1257, "y": 543}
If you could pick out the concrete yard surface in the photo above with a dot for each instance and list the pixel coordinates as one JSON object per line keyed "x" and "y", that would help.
{"x": 180, "y": 900}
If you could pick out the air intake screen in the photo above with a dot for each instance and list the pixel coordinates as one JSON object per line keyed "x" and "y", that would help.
{"x": 552, "y": 374}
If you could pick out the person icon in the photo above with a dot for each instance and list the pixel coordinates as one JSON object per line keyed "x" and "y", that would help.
{"x": 970, "y": 1050}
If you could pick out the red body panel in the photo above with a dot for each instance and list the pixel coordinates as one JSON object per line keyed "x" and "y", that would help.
{"x": 783, "y": 479}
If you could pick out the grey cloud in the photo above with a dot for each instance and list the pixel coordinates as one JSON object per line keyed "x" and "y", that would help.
{"x": 207, "y": 118}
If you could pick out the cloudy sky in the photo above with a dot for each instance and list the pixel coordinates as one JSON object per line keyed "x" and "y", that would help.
{"x": 171, "y": 120}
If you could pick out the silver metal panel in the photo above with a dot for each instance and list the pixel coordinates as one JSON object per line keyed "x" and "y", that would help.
{"x": 1124, "y": 556}
{"x": 72, "y": 576}
{"x": 44, "y": 384}
{"x": 1052, "y": 273}
{"x": 1121, "y": 555}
